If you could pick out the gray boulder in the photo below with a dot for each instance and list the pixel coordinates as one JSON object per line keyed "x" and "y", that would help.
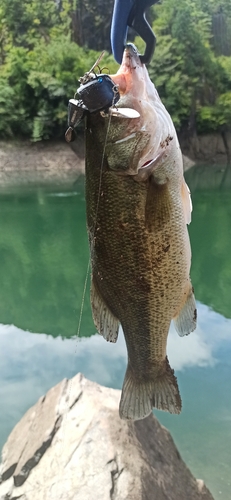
{"x": 72, "y": 445}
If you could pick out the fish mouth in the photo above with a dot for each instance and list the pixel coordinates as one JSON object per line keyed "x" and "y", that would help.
{"x": 131, "y": 58}
{"x": 131, "y": 63}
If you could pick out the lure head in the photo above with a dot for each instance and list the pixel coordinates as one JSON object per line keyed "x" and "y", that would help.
{"x": 99, "y": 93}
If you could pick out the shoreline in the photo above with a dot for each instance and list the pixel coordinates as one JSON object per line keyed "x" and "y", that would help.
{"x": 24, "y": 163}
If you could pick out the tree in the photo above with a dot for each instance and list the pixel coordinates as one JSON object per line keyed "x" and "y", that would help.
{"x": 29, "y": 20}
{"x": 187, "y": 73}
{"x": 46, "y": 45}
{"x": 40, "y": 67}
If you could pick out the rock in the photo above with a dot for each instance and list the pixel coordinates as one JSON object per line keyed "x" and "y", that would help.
{"x": 187, "y": 163}
{"x": 72, "y": 445}
{"x": 23, "y": 163}
{"x": 48, "y": 162}
{"x": 213, "y": 148}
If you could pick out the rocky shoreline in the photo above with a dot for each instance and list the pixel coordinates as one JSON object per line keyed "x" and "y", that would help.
{"x": 72, "y": 445}
{"x": 23, "y": 163}
{"x": 213, "y": 148}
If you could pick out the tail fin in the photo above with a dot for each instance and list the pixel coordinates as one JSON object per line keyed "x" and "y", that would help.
{"x": 138, "y": 398}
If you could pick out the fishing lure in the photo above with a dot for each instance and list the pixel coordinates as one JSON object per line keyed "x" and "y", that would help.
{"x": 97, "y": 92}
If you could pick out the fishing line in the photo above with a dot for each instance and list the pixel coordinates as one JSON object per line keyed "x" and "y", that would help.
{"x": 88, "y": 267}
{"x": 82, "y": 303}
{"x": 94, "y": 227}
{"x": 66, "y": 398}
{"x": 93, "y": 234}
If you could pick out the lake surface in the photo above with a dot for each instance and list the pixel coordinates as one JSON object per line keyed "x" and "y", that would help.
{"x": 43, "y": 267}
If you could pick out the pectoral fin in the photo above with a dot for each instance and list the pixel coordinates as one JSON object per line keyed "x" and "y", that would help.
{"x": 186, "y": 321}
{"x": 105, "y": 322}
{"x": 187, "y": 202}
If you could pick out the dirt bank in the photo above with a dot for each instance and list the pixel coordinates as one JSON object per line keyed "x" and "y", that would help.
{"x": 214, "y": 149}
{"x": 41, "y": 163}
{"x": 26, "y": 163}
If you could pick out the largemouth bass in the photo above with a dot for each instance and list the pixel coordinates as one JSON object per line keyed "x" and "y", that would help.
{"x": 138, "y": 206}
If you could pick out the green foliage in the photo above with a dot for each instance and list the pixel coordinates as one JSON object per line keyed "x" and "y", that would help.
{"x": 28, "y": 20}
{"x": 91, "y": 23}
{"x": 15, "y": 107}
{"x": 217, "y": 116}
{"x": 190, "y": 78}
{"x": 40, "y": 61}
{"x": 40, "y": 67}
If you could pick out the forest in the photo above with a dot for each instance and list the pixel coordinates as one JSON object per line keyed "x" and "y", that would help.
{"x": 47, "y": 45}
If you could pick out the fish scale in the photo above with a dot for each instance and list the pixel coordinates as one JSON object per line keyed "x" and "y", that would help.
{"x": 140, "y": 259}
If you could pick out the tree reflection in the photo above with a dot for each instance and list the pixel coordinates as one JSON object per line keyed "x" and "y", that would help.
{"x": 44, "y": 258}
{"x": 43, "y": 262}
{"x": 210, "y": 234}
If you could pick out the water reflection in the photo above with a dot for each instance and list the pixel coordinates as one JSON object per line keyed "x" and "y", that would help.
{"x": 207, "y": 177}
{"x": 200, "y": 347}
{"x": 210, "y": 233}
{"x": 43, "y": 263}
{"x": 31, "y": 364}
{"x": 44, "y": 257}
{"x": 43, "y": 260}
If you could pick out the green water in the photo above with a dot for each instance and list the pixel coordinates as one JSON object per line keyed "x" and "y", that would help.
{"x": 43, "y": 266}
{"x": 43, "y": 260}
